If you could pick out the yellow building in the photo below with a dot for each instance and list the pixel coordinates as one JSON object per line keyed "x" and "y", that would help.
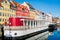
{"x": 5, "y": 11}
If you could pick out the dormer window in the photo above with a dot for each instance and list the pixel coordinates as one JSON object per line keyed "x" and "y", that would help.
{"x": 23, "y": 9}
{"x": 42, "y": 13}
{"x": 5, "y": 1}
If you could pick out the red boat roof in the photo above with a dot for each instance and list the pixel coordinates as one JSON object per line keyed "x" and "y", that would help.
{"x": 23, "y": 17}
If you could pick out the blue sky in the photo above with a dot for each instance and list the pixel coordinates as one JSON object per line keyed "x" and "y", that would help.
{"x": 46, "y": 6}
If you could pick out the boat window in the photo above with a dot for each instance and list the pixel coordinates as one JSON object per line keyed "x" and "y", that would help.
{"x": 25, "y": 22}
{"x": 34, "y": 22}
{"x": 29, "y": 23}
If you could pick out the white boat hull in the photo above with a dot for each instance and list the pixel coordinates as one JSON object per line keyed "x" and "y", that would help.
{"x": 11, "y": 33}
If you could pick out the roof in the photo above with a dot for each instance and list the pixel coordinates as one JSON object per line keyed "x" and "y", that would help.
{"x": 1, "y": 0}
{"x": 55, "y": 17}
{"x": 15, "y": 3}
{"x": 30, "y": 6}
{"x": 10, "y": 3}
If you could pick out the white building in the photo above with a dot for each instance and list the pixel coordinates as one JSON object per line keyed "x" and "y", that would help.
{"x": 45, "y": 19}
{"x": 29, "y": 6}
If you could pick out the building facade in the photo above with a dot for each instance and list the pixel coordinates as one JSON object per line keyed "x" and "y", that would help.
{"x": 5, "y": 11}
{"x": 22, "y": 11}
{"x": 55, "y": 20}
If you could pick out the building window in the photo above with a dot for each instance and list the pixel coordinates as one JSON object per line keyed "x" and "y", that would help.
{"x": 12, "y": 10}
{"x": 5, "y": 9}
{"x": 3, "y": 19}
{"x": 8, "y": 15}
{"x": 0, "y": 19}
{"x": 42, "y": 13}
{"x": 3, "y": 14}
{"x": 43, "y": 18}
{"x": 23, "y": 10}
{"x": 0, "y": 14}
{"x": 8, "y": 10}
{"x": 12, "y": 15}
{"x": 1, "y": 8}
{"x": 5, "y": 1}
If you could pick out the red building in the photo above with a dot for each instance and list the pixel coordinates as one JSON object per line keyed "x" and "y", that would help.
{"x": 22, "y": 10}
